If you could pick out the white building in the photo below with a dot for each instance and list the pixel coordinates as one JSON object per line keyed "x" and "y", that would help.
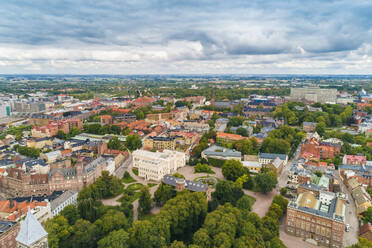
{"x": 110, "y": 166}
{"x": 31, "y": 234}
{"x": 67, "y": 198}
{"x": 155, "y": 165}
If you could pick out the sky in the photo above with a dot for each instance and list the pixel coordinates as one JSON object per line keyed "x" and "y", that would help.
{"x": 186, "y": 37}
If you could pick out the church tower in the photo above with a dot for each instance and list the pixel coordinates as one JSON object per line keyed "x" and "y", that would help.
{"x": 32, "y": 234}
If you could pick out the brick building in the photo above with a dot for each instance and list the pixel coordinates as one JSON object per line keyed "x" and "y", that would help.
{"x": 20, "y": 183}
{"x": 8, "y": 233}
{"x": 321, "y": 219}
{"x": 354, "y": 159}
{"x": 313, "y": 149}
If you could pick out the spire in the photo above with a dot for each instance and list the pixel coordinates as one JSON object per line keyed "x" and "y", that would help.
{"x": 31, "y": 230}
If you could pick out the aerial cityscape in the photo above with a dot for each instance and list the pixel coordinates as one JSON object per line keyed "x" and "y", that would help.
{"x": 185, "y": 124}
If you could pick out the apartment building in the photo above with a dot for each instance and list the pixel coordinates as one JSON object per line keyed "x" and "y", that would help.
{"x": 267, "y": 158}
{"x": 155, "y": 165}
{"x": 313, "y": 94}
{"x": 160, "y": 143}
{"x": 318, "y": 218}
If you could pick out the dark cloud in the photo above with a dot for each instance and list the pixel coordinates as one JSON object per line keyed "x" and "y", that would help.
{"x": 188, "y": 30}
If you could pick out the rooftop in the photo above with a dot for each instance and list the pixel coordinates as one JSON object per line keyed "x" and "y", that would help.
{"x": 31, "y": 230}
{"x": 190, "y": 185}
{"x": 221, "y": 152}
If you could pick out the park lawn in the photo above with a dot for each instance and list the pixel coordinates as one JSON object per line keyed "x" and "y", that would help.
{"x": 134, "y": 187}
{"x": 128, "y": 179}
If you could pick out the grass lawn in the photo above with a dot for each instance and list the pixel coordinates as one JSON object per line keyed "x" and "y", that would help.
{"x": 151, "y": 185}
{"x": 128, "y": 179}
{"x": 134, "y": 187}
{"x": 130, "y": 197}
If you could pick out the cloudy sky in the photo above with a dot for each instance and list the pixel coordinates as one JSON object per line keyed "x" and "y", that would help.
{"x": 186, "y": 36}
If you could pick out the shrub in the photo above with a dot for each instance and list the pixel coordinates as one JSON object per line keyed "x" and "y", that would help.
{"x": 200, "y": 168}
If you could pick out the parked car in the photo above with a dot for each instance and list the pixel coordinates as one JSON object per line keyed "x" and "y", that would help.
{"x": 347, "y": 227}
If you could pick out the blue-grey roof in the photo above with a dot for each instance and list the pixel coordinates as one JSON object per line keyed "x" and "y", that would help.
{"x": 246, "y": 109}
{"x": 66, "y": 172}
{"x": 93, "y": 165}
{"x": 5, "y": 225}
{"x": 330, "y": 214}
{"x": 32, "y": 163}
{"x": 259, "y": 135}
{"x": 190, "y": 185}
{"x": 272, "y": 156}
{"x": 365, "y": 168}
{"x": 221, "y": 152}
{"x": 222, "y": 104}
{"x": 309, "y": 123}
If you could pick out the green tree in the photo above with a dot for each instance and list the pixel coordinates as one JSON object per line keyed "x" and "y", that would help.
{"x": 177, "y": 244}
{"x": 275, "y": 145}
{"x": 368, "y": 215}
{"x": 140, "y": 115}
{"x": 232, "y": 170}
{"x": 58, "y": 230}
{"x": 71, "y": 213}
{"x": 163, "y": 194}
{"x": 133, "y": 142}
{"x": 113, "y": 220}
{"x": 266, "y": 182}
{"x": 281, "y": 201}
{"x": 320, "y": 128}
{"x": 145, "y": 234}
{"x": 114, "y": 143}
{"x": 275, "y": 211}
{"x": 245, "y": 203}
{"x": 283, "y": 191}
{"x": 227, "y": 191}
{"x": 363, "y": 243}
{"x": 84, "y": 234}
{"x": 242, "y": 131}
{"x": 145, "y": 202}
{"x": 115, "y": 239}
{"x": 61, "y": 135}
{"x": 203, "y": 168}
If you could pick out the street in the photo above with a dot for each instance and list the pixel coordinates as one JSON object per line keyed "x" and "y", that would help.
{"x": 351, "y": 218}
{"x": 119, "y": 172}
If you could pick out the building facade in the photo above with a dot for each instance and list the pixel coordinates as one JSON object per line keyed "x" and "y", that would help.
{"x": 160, "y": 143}
{"x": 321, "y": 220}
{"x": 20, "y": 183}
{"x": 155, "y": 165}
{"x": 314, "y": 94}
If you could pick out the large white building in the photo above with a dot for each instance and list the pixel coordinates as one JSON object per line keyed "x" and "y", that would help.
{"x": 155, "y": 165}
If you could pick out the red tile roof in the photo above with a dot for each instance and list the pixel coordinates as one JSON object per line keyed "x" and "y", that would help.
{"x": 230, "y": 136}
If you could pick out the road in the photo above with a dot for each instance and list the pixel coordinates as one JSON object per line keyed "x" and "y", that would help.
{"x": 283, "y": 177}
{"x": 119, "y": 172}
{"x": 351, "y": 218}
